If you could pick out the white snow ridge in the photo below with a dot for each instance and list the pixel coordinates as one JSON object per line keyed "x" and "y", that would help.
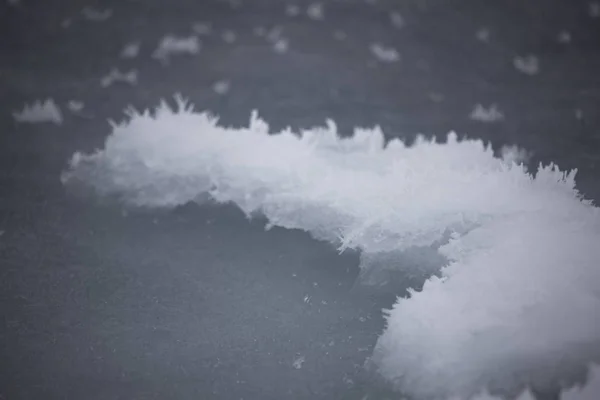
{"x": 517, "y": 304}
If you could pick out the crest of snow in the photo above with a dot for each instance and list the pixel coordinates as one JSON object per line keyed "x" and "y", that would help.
{"x": 115, "y": 75}
{"x": 38, "y": 112}
{"x": 315, "y": 11}
{"x": 340, "y": 35}
{"x": 229, "y": 36}
{"x": 202, "y": 28}
{"x": 529, "y": 65}
{"x": 564, "y": 37}
{"x": 483, "y": 35}
{"x": 172, "y": 45}
{"x": 91, "y": 14}
{"x": 75, "y": 106}
{"x": 594, "y": 9}
{"x": 396, "y": 19}
{"x": 131, "y": 50}
{"x": 292, "y": 10}
{"x": 590, "y": 390}
{"x": 221, "y": 87}
{"x": 482, "y": 114}
{"x": 515, "y": 304}
{"x": 384, "y": 54}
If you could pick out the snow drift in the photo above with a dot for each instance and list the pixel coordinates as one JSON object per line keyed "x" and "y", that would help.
{"x": 518, "y": 300}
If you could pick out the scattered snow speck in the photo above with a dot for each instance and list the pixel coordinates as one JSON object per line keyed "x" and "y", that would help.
{"x": 529, "y": 65}
{"x": 298, "y": 362}
{"x": 340, "y": 35}
{"x": 91, "y": 14}
{"x": 594, "y": 9}
{"x": 131, "y": 50}
{"x": 307, "y": 299}
{"x": 170, "y": 45}
{"x": 115, "y": 75}
{"x": 201, "y": 28}
{"x": 235, "y": 3}
{"x": 66, "y": 23}
{"x": 274, "y": 34}
{"x": 384, "y": 54}
{"x": 396, "y": 19}
{"x": 75, "y": 106}
{"x": 564, "y": 37}
{"x": 13, "y": 2}
{"x": 229, "y": 36}
{"x": 315, "y": 12}
{"x": 436, "y": 97}
{"x": 579, "y": 114}
{"x": 490, "y": 114}
{"x": 292, "y": 10}
{"x": 259, "y": 31}
{"x": 221, "y": 87}
{"x": 483, "y": 35}
{"x": 38, "y": 112}
{"x": 281, "y": 46}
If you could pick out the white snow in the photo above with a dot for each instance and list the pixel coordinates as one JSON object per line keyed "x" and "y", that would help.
{"x": 594, "y": 9}
{"x": 75, "y": 106}
{"x": 384, "y": 53}
{"x": 483, "y": 35}
{"x": 315, "y": 12}
{"x": 202, "y": 28}
{"x": 222, "y": 87}
{"x": 281, "y": 46}
{"x": 490, "y": 114}
{"x": 529, "y": 65}
{"x": 564, "y": 37}
{"x": 131, "y": 50}
{"x": 517, "y": 302}
{"x": 171, "y": 45}
{"x": 115, "y": 76}
{"x": 38, "y": 112}
{"x": 95, "y": 15}
{"x": 292, "y": 10}
{"x": 339, "y": 35}
{"x": 229, "y": 36}
{"x": 396, "y": 19}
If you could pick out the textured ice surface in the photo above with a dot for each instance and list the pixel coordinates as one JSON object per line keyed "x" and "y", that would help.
{"x": 517, "y": 302}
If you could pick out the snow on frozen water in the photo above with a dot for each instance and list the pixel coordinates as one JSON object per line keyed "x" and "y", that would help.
{"x": 171, "y": 45}
{"x": 517, "y": 299}
{"x": 38, "y": 112}
{"x": 529, "y": 65}
{"x": 115, "y": 76}
{"x": 384, "y": 53}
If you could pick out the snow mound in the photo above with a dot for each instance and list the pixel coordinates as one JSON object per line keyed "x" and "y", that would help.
{"x": 517, "y": 303}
